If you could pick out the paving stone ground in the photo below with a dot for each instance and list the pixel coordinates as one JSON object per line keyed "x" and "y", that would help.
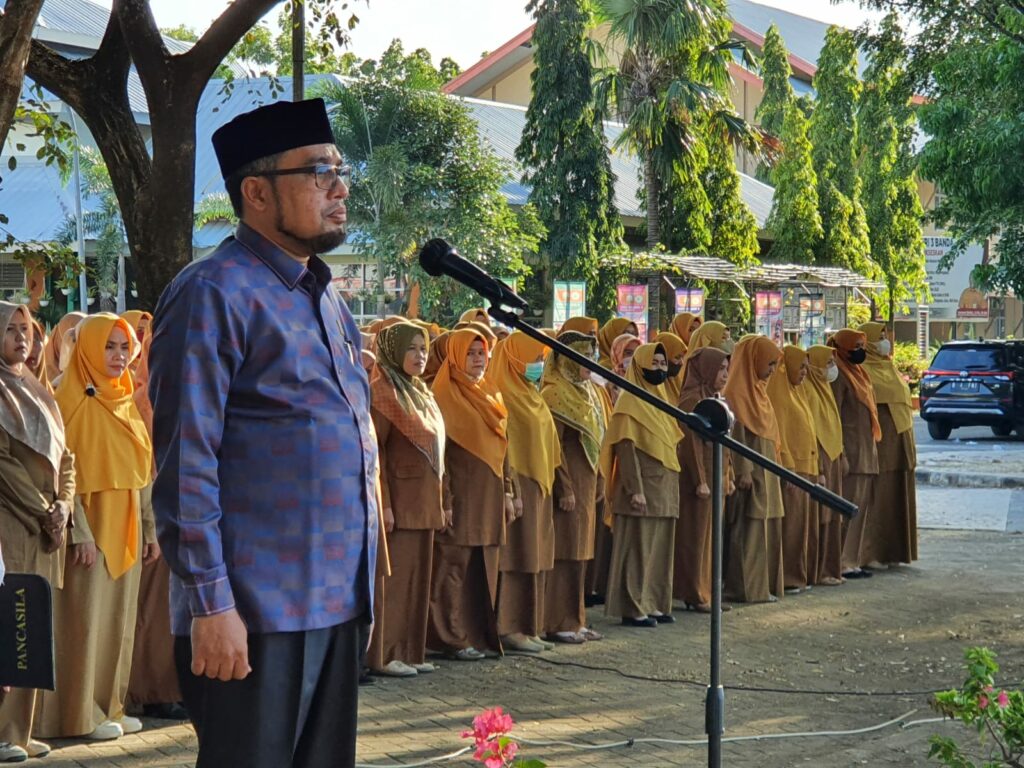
{"x": 905, "y": 629}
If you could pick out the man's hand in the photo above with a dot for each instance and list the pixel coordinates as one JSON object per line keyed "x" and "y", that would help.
{"x": 84, "y": 554}
{"x": 389, "y": 520}
{"x": 567, "y": 503}
{"x": 220, "y": 647}
{"x": 150, "y": 553}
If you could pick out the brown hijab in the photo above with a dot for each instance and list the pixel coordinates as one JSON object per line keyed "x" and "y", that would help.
{"x": 53, "y": 347}
{"x": 747, "y": 392}
{"x": 700, "y": 377}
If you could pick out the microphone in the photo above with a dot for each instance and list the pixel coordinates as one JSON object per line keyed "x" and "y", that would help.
{"x": 438, "y": 258}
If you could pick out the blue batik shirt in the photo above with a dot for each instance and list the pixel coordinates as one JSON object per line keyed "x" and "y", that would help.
{"x": 265, "y": 495}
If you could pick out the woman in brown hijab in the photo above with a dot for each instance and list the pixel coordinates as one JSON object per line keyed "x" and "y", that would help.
{"x": 798, "y": 452}
{"x": 478, "y": 489}
{"x": 754, "y": 512}
{"x": 533, "y": 452}
{"x": 821, "y": 372}
{"x": 411, "y": 439}
{"x": 36, "y": 362}
{"x": 575, "y": 406}
{"x": 705, "y": 378}
{"x": 153, "y": 684}
{"x": 54, "y": 346}
{"x": 436, "y": 357}
{"x": 855, "y": 399}
{"x": 640, "y": 461}
{"x": 892, "y": 530}
{"x": 36, "y": 498}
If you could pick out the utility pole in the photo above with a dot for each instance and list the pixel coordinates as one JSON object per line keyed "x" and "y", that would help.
{"x": 298, "y": 50}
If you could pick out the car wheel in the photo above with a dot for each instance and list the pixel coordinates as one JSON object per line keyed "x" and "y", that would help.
{"x": 939, "y": 430}
{"x": 1002, "y": 430}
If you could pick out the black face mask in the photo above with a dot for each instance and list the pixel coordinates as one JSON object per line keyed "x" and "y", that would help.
{"x": 655, "y": 377}
{"x": 857, "y": 356}
{"x": 674, "y": 369}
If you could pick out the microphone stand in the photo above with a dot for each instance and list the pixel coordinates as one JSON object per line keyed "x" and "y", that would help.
{"x": 713, "y": 421}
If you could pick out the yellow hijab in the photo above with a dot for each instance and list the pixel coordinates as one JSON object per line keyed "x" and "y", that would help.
{"x": 109, "y": 439}
{"x": 710, "y": 334}
{"x": 682, "y": 326}
{"x": 746, "y": 392}
{"x": 608, "y": 333}
{"x": 533, "y": 448}
{"x": 798, "y": 444}
{"x": 470, "y": 316}
{"x": 587, "y": 325}
{"x": 653, "y": 432}
{"x": 889, "y": 386}
{"x": 53, "y": 346}
{"x": 822, "y": 401}
{"x": 674, "y": 347}
{"x": 474, "y": 415}
{"x": 573, "y": 400}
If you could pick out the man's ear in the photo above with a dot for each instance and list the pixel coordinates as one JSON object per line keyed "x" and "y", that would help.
{"x": 256, "y": 193}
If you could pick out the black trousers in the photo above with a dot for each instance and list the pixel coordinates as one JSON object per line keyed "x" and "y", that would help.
{"x": 296, "y": 709}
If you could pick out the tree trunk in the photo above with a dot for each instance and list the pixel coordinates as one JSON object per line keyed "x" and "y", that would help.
{"x": 16, "y": 25}
{"x": 653, "y": 203}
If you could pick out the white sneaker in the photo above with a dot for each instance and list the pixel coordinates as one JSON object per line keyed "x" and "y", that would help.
{"x": 105, "y": 731}
{"x": 11, "y": 753}
{"x": 396, "y": 668}
{"x": 37, "y": 749}
{"x": 130, "y": 724}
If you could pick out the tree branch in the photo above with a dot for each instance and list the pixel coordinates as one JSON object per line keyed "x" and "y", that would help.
{"x": 62, "y": 77}
{"x": 145, "y": 43}
{"x": 17, "y": 21}
{"x": 226, "y": 30}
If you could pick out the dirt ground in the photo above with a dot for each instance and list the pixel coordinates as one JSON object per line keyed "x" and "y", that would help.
{"x": 902, "y": 630}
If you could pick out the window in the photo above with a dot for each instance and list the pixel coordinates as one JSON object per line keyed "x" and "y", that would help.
{"x": 357, "y": 285}
{"x": 983, "y": 358}
{"x": 12, "y": 275}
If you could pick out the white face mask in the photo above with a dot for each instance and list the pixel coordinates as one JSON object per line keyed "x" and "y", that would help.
{"x": 884, "y": 347}
{"x": 599, "y": 380}
{"x": 831, "y": 373}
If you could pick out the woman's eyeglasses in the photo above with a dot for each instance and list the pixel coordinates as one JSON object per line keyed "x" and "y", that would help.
{"x": 325, "y": 175}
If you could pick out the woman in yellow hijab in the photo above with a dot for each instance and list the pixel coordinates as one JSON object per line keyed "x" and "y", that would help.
{"x": 478, "y": 489}
{"x": 798, "y": 451}
{"x": 94, "y": 614}
{"x": 36, "y": 498}
{"x": 754, "y": 512}
{"x": 585, "y": 325}
{"x": 609, "y": 332}
{"x": 892, "y": 532}
{"x": 684, "y": 324}
{"x": 821, "y": 372}
{"x": 641, "y": 469}
{"x": 858, "y": 413}
{"x": 675, "y": 350}
{"x": 528, "y": 555}
{"x": 576, "y": 408}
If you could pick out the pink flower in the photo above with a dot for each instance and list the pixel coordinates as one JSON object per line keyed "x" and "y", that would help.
{"x": 983, "y": 701}
{"x": 1003, "y": 700}
{"x": 490, "y": 729}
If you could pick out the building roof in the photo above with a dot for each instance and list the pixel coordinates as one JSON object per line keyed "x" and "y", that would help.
{"x": 35, "y": 201}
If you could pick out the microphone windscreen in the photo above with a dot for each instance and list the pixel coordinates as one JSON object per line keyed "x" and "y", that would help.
{"x": 432, "y": 256}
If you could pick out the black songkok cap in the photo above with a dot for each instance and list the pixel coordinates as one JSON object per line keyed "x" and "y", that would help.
{"x": 270, "y": 130}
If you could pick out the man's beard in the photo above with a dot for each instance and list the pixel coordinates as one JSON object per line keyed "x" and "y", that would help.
{"x": 322, "y": 243}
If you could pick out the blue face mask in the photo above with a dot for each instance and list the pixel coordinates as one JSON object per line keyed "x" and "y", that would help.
{"x": 534, "y": 371}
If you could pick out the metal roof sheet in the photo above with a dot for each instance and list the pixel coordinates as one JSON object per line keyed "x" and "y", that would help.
{"x": 35, "y": 201}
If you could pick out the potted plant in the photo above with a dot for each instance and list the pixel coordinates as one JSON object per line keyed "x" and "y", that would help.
{"x": 20, "y": 296}
{"x": 135, "y": 291}
{"x": 90, "y": 295}
{"x": 44, "y": 299}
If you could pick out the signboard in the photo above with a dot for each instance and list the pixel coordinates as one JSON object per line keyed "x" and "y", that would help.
{"x": 570, "y": 301}
{"x": 953, "y": 298}
{"x": 690, "y": 300}
{"x": 633, "y": 305}
{"x": 768, "y": 315}
{"x": 812, "y": 319}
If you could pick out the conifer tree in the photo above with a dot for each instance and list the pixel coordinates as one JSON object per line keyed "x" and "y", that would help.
{"x": 795, "y": 223}
{"x": 778, "y": 92}
{"x": 733, "y": 226}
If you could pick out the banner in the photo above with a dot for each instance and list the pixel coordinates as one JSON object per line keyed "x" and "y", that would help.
{"x": 690, "y": 300}
{"x": 570, "y": 301}
{"x": 768, "y": 315}
{"x": 633, "y": 305}
{"x": 812, "y": 319}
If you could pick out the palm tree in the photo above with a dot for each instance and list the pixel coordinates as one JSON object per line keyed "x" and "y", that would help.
{"x": 671, "y": 83}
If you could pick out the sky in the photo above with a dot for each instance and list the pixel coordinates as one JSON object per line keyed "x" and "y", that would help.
{"x": 460, "y": 29}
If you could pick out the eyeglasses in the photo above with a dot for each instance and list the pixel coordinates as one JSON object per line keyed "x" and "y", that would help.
{"x": 325, "y": 175}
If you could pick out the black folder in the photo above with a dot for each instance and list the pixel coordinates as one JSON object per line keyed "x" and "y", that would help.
{"x": 26, "y": 632}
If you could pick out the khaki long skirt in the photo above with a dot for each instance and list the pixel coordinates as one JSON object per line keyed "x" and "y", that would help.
{"x": 463, "y": 591}
{"x": 153, "y": 678}
{"x": 564, "y": 607}
{"x": 754, "y": 572}
{"x": 640, "y": 579}
{"x": 860, "y": 489}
